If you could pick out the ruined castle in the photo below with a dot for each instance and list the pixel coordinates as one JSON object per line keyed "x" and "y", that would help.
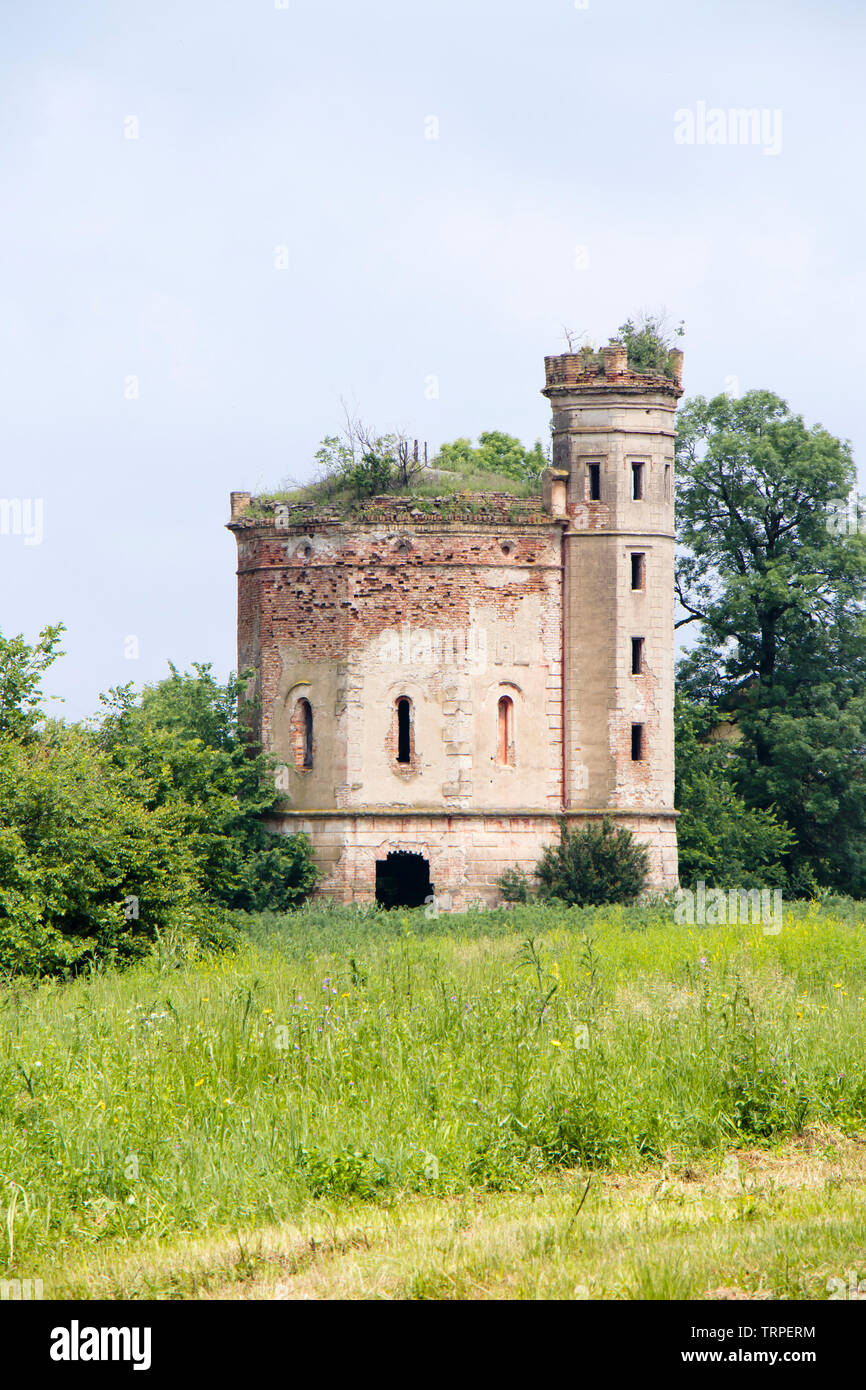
{"x": 440, "y": 679}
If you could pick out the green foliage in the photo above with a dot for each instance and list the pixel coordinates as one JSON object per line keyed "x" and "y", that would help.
{"x": 146, "y": 827}
{"x": 363, "y": 471}
{"x": 184, "y": 739}
{"x": 761, "y": 1090}
{"x": 513, "y": 886}
{"x": 777, "y": 593}
{"x": 495, "y": 453}
{"x": 720, "y": 839}
{"x": 597, "y": 864}
{"x": 349, "y": 1173}
{"x": 87, "y": 872}
{"x": 21, "y": 670}
{"x": 780, "y": 597}
{"x": 649, "y": 341}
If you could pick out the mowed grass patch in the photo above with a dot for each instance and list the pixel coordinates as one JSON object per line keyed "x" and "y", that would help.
{"x": 403, "y": 1063}
{"x": 768, "y": 1226}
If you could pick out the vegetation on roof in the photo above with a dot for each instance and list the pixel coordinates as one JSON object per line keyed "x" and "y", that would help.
{"x": 359, "y": 465}
{"x": 648, "y": 338}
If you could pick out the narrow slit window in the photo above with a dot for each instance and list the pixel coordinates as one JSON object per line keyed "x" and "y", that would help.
{"x": 637, "y": 743}
{"x": 302, "y": 735}
{"x": 506, "y": 731}
{"x": 404, "y": 731}
{"x": 308, "y": 734}
{"x": 636, "y": 655}
{"x": 667, "y": 482}
{"x": 636, "y": 482}
{"x": 594, "y": 470}
{"x": 638, "y": 570}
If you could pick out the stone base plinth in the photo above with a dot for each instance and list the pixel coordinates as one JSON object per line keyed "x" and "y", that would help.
{"x": 466, "y": 851}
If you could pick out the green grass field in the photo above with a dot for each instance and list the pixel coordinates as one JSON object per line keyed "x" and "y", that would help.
{"x": 539, "y": 1102}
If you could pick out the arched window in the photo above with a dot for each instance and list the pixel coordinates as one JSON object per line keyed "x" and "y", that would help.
{"x": 302, "y": 735}
{"x": 506, "y": 731}
{"x": 404, "y": 730}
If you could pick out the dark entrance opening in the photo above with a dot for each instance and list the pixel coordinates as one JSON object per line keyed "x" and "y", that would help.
{"x": 403, "y": 880}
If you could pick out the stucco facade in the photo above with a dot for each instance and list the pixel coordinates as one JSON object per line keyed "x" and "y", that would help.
{"x": 445, "y": 678}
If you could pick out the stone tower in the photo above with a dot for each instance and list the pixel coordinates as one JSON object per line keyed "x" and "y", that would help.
{"x": 440, "y": 678}
{"x": 613, "y": 473}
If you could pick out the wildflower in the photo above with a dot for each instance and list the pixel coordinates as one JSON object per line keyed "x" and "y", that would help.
{"x": 554, "y": 1042}
{"x": 200, "y": 1081}
{"x": 839, "y": 986}
{"x": 101, "y": 1104}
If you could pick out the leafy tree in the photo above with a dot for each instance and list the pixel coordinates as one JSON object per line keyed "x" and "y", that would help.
{"x": 780, "y": 598}
{"x": 363, "y": 462}
{"x": 598, "y": 864}
{"x": 720, "y": 839}
{"x": 21, "y": 671}
{"x": 183, "y": 739}
{"x": 495, "y": 453}
{"x": 148, "y": 822}
{"x": 87, "y": 872}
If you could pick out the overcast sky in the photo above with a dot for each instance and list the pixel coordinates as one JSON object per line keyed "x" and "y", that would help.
{"x": 222, "y": 216}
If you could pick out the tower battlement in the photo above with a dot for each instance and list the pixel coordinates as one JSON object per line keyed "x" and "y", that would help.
{"x": 609, "y": 368}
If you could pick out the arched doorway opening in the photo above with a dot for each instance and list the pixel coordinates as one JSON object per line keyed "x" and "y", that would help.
{"x": 403, "y": 880}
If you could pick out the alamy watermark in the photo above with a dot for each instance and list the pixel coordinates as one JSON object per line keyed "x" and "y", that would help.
{"x": 718, "y": 907}
{"x": 738, "y": 125}
{"x": 21, "y": 1290}
{"x": 22, "y": 516}
{"x": 434, "y": 647}
{"x": 850, "y": 1287}
{"x": 846, "y": 516}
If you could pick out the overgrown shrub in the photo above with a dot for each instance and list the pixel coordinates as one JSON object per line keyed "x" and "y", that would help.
{"x": 513, "y": 886}
{"x": 598, "y": 864}
{"x": 131, "y": 832}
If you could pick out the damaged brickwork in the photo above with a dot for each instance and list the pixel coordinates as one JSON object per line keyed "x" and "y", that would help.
{"x": 390, "y": 642}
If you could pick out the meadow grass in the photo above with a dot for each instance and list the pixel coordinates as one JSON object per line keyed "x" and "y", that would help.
{"x": 346, "y": 1062}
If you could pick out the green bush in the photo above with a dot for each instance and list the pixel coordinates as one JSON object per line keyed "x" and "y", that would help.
{"x": 136, "y": 832}
{"x": 513, "y": 886}
{"x": 87, "y": 872}
{"x": 598, "y": 864}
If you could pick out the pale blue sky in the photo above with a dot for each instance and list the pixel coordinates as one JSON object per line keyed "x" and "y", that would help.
{"x": 408, "y": 257}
